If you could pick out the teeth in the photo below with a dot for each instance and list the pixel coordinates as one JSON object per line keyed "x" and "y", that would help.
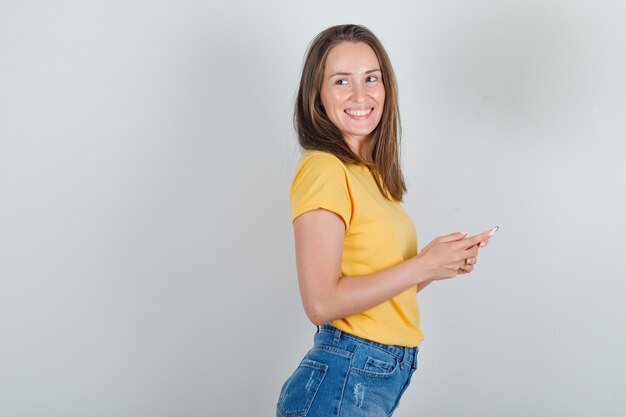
{"x": 358, "y": 112}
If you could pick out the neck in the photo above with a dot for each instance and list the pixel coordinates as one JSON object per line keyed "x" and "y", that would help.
{"x": 359, "y": 146}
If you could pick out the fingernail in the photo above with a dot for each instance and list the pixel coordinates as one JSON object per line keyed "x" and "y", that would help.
{"x": 463, "y": 233}
{"x": 482, "y": 243}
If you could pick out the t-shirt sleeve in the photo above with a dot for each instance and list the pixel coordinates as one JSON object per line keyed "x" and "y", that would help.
{"x": 320, "y": 182}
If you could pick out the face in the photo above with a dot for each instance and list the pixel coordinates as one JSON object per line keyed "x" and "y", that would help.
{"x": 352, "y": 91}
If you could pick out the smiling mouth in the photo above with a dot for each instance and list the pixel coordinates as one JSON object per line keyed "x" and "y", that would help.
{"x": 358, "y": 113}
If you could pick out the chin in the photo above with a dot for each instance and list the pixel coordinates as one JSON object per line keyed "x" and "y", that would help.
{"x": 361, "y": 133}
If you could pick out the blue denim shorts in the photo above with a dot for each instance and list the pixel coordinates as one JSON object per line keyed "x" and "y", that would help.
{"x": 343, "y": 375}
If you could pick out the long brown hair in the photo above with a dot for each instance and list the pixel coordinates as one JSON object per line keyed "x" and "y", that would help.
{"x": 316, "y": 131}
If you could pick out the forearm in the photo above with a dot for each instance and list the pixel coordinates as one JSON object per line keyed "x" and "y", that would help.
{"x": 423, "y": 284}
{"x": 354, "y": 294}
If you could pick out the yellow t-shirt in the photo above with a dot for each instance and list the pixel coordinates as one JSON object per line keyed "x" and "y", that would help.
{"x": 379, "y": 234}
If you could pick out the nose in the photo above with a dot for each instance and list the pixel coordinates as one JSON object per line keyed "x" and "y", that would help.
{"x": 358, "y": 93}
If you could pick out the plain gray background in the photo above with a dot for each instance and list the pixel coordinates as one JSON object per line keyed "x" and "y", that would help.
{"x": 146, "y": 254}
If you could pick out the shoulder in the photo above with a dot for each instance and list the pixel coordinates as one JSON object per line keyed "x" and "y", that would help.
{"x": 319, "y": 160}
{"x": 319, "y": 169}
{"x": 320, "y": 181}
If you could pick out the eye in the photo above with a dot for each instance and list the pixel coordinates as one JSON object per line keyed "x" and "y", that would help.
{"x": 371, "y": 78}
{"x": 341, "y": 81}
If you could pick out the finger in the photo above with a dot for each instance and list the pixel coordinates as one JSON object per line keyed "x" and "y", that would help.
{"x": 471, "y": 261}
{"x": 466, "y": 269}
{"x": 468, "y": 253}
{"x": 476, "y": 239}
{"x": 453, "y": 237}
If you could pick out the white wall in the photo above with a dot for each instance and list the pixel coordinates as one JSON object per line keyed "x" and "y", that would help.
{"x": 146, "y": 254}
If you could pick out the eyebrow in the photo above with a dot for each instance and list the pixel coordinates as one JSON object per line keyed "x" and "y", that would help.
{"x": 349, "y": 73}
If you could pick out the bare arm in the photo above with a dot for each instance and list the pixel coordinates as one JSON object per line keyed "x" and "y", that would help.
{"x": 327, "y": 296}
{"x": 422, "y": 285}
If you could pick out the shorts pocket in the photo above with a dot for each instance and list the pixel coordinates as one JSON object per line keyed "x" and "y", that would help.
{"x": 299, "y": 391}
{"x": 376, "y": 364}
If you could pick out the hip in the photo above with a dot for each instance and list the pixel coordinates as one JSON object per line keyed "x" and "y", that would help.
{"x": 346, "y": 375}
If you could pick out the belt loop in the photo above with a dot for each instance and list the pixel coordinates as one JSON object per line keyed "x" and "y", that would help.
{"x": 337, "y": 335}
{"x": 405, "y": 356}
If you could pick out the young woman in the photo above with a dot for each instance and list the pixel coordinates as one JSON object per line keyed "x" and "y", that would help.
{"x": 356, "y": 248}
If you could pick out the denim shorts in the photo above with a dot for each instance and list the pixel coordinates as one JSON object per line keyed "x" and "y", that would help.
{"x": 343, "y": 375}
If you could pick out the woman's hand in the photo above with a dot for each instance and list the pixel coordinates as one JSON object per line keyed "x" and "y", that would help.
{"x": 451, "y": 255}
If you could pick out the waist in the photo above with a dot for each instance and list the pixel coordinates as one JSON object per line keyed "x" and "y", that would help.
{"x": 405, "y": 354}
{"x": 394, "y": 322}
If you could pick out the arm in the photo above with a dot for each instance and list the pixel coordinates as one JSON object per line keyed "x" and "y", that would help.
{"x": 422, "y": 285}
{"x": 326, "y": 295}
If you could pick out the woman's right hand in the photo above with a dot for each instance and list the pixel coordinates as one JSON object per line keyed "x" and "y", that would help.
{"x": 445, "y": 257}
